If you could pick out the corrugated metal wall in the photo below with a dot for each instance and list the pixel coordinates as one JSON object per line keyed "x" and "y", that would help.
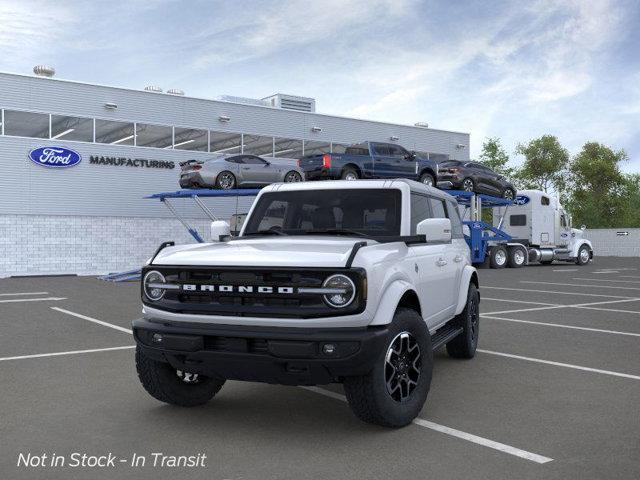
{"x": 612, "y": 242}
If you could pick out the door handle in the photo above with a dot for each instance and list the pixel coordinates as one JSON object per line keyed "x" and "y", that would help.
{"x": 458, "y": 258}
{"x": 246, "y": 168}
{"x": 441, "y": 262}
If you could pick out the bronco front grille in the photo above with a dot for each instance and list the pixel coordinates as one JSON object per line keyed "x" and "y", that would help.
{"x": 230, "y": 295}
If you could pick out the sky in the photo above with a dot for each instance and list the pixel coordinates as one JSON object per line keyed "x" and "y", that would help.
{"x": 514, "y": 70}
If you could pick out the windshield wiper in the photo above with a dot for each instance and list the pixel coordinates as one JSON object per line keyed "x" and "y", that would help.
{"x": 266, "y": 232}
{"x": 337, "y": 231}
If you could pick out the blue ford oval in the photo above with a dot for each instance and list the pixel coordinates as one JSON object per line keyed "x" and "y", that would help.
{"x": 521, "y": 200}
{"x": 55, "y": 157}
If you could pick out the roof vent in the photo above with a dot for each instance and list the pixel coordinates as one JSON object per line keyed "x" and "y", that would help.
{"x": 44, "y": 71}
{"x": 153, "y": 88}
{"x": 175, "y": 91}
{"x": 292, "y": 102}
{"x": 422, "y": 124}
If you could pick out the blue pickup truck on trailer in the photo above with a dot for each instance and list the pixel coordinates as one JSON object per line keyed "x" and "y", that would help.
{"x": 370, "y": 160}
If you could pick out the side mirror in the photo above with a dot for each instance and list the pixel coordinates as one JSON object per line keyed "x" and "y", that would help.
{"x": 435, "y": 229}
{"x": 219, "y": 230}
{"x": 583, "y": 227}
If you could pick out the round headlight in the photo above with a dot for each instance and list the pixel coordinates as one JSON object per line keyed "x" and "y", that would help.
{"x": 150, "y": 283}
{"x": 344, "y": 291}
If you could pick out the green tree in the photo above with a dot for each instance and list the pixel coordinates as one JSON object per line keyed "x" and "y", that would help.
{"x": 495, "y": 157}
{"x": 631, "y": 201}
{"x": 545, "y": 164}
{"x": 599, "y": 192}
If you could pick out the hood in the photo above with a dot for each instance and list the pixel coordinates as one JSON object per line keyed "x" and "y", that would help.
{"x": 577, "y": 232}
{"x": 307, "y": 251}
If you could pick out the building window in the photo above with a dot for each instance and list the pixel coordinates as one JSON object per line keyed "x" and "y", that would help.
{"x": 26, "y": 124}
{"x": 157, "y": 136}
{"x": 191, "y": 139}
{"x": 224, "y": 142}
{"x": 258, "y": 145}
{"x": 72, "y": 128}
{"x": 287, "y": 148}
{"x": 338, "y": 147}
{"x": 316, "y": 148}
{"x": 114, "y": 133}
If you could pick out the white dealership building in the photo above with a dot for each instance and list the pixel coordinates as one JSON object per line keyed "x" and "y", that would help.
{"x": 91, "y": 217}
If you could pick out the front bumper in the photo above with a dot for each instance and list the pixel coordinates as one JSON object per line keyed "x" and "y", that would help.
{"x": 287, "y": 356}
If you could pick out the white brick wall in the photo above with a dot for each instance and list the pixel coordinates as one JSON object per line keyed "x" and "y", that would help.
{"x": 51, "y": 245}
{"x": 607, "y": 242}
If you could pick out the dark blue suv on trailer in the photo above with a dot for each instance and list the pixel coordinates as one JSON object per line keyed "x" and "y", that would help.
{"x": 370, "y": 160}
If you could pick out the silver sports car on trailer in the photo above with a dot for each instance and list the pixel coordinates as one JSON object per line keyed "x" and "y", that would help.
{"x": 234, "y": 171}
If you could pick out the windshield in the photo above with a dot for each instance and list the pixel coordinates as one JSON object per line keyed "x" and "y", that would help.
{"x": 356, "y": 212}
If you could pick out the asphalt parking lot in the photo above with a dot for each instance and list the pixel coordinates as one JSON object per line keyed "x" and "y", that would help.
{"x": 552, "y": 393}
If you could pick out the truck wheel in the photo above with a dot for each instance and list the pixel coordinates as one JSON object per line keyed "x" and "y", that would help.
{"x": 169, "y": 385}
{"x": 517, "y": 257}
{"x": 393, "y": 393}
{"x": 583, "y": 255}
{"x": 349, "y": 174}
{"x": 427, "y": 179}
{"x": 465, "y": 344}
{"x": 498, "y": 257}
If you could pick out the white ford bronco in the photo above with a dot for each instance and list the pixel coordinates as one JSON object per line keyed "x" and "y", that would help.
{"x": 355, "y": 282}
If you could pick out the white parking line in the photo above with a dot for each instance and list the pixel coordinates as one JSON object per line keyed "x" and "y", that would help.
{"x": 485, "y": 442}
{"x": 529, "y": 290}
{"x": 579, "y": 285}
{"x": 71, "y": 352}
{"x": 560, "y": 364}
{"x": 604, "y": 280}
{"x": 518, "y": 301}
{"x": 576, "y": 305}
{"x": 559, "y": 325}
{"x": 94, "y": 320}
{"x": 566, "y": 269}
{"x": 23, "y": 293}
{"x": 628, "y": 276}
{"x": 46, "y": 299}
{"x": 536, "y": 309}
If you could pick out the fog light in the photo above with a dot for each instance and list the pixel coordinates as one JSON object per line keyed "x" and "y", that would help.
{"x": 157, "y": 338}
{"x": 328, "y": 348}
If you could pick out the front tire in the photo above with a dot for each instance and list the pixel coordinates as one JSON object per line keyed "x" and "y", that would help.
{"x": 393, "y": 393}
{"x": 508, "y": 194}
{"x": 465, "y": 344}
{"x": 584, "y": 255}
{"x": 225, "y": 180}
{"x": 468, "y": 185}
{"x": 168, "y": 385}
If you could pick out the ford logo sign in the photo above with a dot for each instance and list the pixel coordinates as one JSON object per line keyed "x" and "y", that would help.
{"x": 55, "y": 157}
{"x": 521, "y": 200}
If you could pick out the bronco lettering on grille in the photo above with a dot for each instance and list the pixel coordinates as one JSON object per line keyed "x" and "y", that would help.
{"x": 237, "y": 288}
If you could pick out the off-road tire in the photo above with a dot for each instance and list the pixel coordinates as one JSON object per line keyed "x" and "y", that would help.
{"x": 161, "y": 381}
{"x": 513, "y": 260}
{"x": 498, "y": 256}
{"x": 579, "y": 259}
{"x": 465, "y": 344}
{"x": 367, "y": 394}
{"x": 348, "y": 172}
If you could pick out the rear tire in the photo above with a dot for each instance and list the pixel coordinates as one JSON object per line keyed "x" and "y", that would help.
{"x": 292, "y": 177}
{"x": 349, "y": 174}
{"x": 517, "y": 257}
{"x": 498, "y": 257}
{"x": 225, "y": 180}
{"x": 385, "y": 396}
{"x": 508, "y": 194}
{"x": 166, "y": 384}
{"x": 465, "y": 344}
{"x": 468, "y": 185}
{"x": 428, "y": 180}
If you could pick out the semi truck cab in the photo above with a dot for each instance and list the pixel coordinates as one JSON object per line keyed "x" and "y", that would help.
{"x": 538, "y": 221}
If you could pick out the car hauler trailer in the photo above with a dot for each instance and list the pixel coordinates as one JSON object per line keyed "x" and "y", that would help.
{"x": 538, "y": 221}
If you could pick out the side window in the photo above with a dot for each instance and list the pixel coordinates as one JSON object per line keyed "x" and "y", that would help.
{"x": 437, "y": 208}
{"x": 381, "y": 149}
{"x": 419, "y": 210}
{"x": 456, "y": 223}
{"x": 396, "y": 151}
{"x": 544, "y": 200}
{"x": 517, "y": 220}
{"x": 252, "y": 160}
{"x": 233, "y": 159}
